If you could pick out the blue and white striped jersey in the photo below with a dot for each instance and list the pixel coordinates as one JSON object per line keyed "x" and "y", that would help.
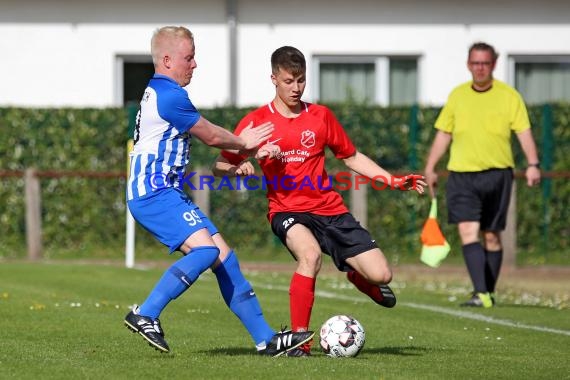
{"x": 162, "y": 141}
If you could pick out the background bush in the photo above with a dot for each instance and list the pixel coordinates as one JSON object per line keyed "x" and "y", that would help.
{"x": 85, "y": 217}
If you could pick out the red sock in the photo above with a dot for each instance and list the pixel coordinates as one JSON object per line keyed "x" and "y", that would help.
{"x": 301, "y": 299}
{"x": 364, "y": 286}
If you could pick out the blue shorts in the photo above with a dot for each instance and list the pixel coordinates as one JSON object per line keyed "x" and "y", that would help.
{"x": 170, "y": 216}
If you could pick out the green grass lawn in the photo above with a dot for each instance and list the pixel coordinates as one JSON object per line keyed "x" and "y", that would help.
{"x": 65, "y": 321}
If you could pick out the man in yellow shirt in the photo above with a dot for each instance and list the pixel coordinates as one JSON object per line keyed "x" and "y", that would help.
{"x": 477, "y": 121}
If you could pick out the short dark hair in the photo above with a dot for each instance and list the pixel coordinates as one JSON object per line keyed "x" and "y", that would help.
{"x": 289, "y": 59}
{"x": 485, "y": 47}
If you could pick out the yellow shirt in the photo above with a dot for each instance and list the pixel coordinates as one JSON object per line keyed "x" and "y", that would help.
{"x": 480, "y": 124}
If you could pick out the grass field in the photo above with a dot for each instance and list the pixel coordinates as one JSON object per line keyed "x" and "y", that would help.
{"x": 64, "y": 321}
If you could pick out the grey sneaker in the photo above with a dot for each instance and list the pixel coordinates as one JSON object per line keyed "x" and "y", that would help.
{"x": 285, "y": 341}
{"x": 479, "y": 300}
{"x": 148, "y": 328}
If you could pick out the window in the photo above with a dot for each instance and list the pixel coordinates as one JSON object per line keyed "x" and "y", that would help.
{"x": 133, "y": 74}
{"x": 366, "y": 79}
{"x": 347, "y": 81}
{"x": 403, "y": 81}
{"x": 542, "y": 79}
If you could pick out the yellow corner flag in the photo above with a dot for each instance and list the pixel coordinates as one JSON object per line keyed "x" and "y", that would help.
{"x": 434, "y": 246}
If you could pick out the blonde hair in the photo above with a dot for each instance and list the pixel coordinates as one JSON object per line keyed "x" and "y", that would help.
{"x": 163, "y": 37}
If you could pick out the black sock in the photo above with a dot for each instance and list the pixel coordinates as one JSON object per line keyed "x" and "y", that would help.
{"x": 493, "y": 268}
{"x": 474, "y": 256}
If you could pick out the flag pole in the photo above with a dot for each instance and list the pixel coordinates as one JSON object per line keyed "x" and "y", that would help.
{"x": 130, "y": 221}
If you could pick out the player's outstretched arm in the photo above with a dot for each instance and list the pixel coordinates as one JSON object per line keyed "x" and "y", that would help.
{"x": 216, "y": 136}
{"x": 363, "y": 165}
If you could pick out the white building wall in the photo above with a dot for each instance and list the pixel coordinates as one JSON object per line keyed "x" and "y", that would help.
{"x": 60, "y": 53}
{"x": 442, "y": 48}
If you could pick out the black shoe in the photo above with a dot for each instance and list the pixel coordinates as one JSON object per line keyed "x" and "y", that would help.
{"x": 298, "y": 353}
{"x": 479, "y": 300}
{"x": 285, "y": 341}
{"x": 388, "y": 296}
{"x": 148, "y": 328}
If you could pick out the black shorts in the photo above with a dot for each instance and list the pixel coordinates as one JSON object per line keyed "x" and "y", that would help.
{"x": 480, "y": 197}
{"x": 339, "y": 236}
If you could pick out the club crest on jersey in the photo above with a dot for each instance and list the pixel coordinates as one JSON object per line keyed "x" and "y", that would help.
{"x": 308, "y": 139}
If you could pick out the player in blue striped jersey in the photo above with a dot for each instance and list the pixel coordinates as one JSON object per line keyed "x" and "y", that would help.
{"x": 166, "y": 122}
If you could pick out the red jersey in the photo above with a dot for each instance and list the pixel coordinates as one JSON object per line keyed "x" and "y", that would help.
{"x": 297, "y": 180}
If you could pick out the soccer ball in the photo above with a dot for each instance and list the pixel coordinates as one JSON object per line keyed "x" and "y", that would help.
{"x": 342, "y": 336}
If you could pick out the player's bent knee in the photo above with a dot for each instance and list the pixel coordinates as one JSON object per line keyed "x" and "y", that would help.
{"x": 310, "y": 259}
{"x": 380, "y": 277}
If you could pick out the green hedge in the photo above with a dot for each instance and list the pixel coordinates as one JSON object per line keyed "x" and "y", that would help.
{"x": 86, "y": 216}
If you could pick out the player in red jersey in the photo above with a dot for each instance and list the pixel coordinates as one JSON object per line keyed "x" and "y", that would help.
{"x": 305, "y": 211}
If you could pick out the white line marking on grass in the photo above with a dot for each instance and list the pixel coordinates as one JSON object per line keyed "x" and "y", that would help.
{"x": 435, "y": 309}
{"x": 484, "y": 318}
